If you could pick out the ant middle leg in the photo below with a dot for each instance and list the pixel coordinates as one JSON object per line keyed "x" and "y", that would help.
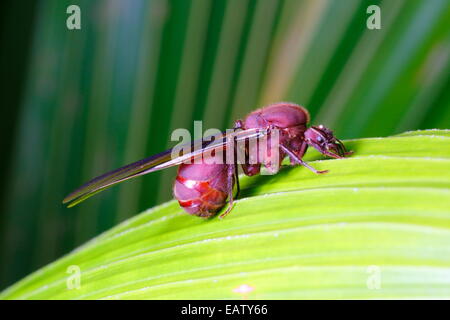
{"x": 298, "y": 160}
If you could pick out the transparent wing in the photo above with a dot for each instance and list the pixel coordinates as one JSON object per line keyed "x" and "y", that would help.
{"x": 158, "y": 162}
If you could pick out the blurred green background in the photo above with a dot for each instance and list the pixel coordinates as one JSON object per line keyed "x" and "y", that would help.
{"x": 77, "y": 103}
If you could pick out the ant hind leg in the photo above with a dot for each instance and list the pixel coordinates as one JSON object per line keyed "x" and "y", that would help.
{"x": 232, "y": 175}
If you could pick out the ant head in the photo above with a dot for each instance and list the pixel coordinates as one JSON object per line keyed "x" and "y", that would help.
{"x": 324, "y": 141}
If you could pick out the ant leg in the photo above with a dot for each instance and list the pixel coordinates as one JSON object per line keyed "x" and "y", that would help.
{"x": 232, "y": 177}
{"x": 345, "y": 152}
{"x": 341, "y": 152}
{"x": 231, "y": 173}
{"x": 300, "y": 161}
{"x": 300, "y": 153}
{"x": 331, "y": 154}
{"x": 236, "y": 176}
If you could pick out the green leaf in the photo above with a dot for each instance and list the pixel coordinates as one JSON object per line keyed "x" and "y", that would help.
{"x": 376, "y": 226}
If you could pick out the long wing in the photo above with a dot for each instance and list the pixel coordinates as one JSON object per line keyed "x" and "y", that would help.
{"x": 158, "y": 162}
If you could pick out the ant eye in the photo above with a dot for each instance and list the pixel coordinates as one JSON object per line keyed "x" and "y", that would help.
{"x": 319, "y": 139}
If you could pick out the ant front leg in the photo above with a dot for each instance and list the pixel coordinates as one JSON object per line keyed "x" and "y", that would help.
{"x": 232, "y": 176}
{"x": 298, "y": 160}
{"x": 341, "y": 151}
{"x": 331, "y": 154}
